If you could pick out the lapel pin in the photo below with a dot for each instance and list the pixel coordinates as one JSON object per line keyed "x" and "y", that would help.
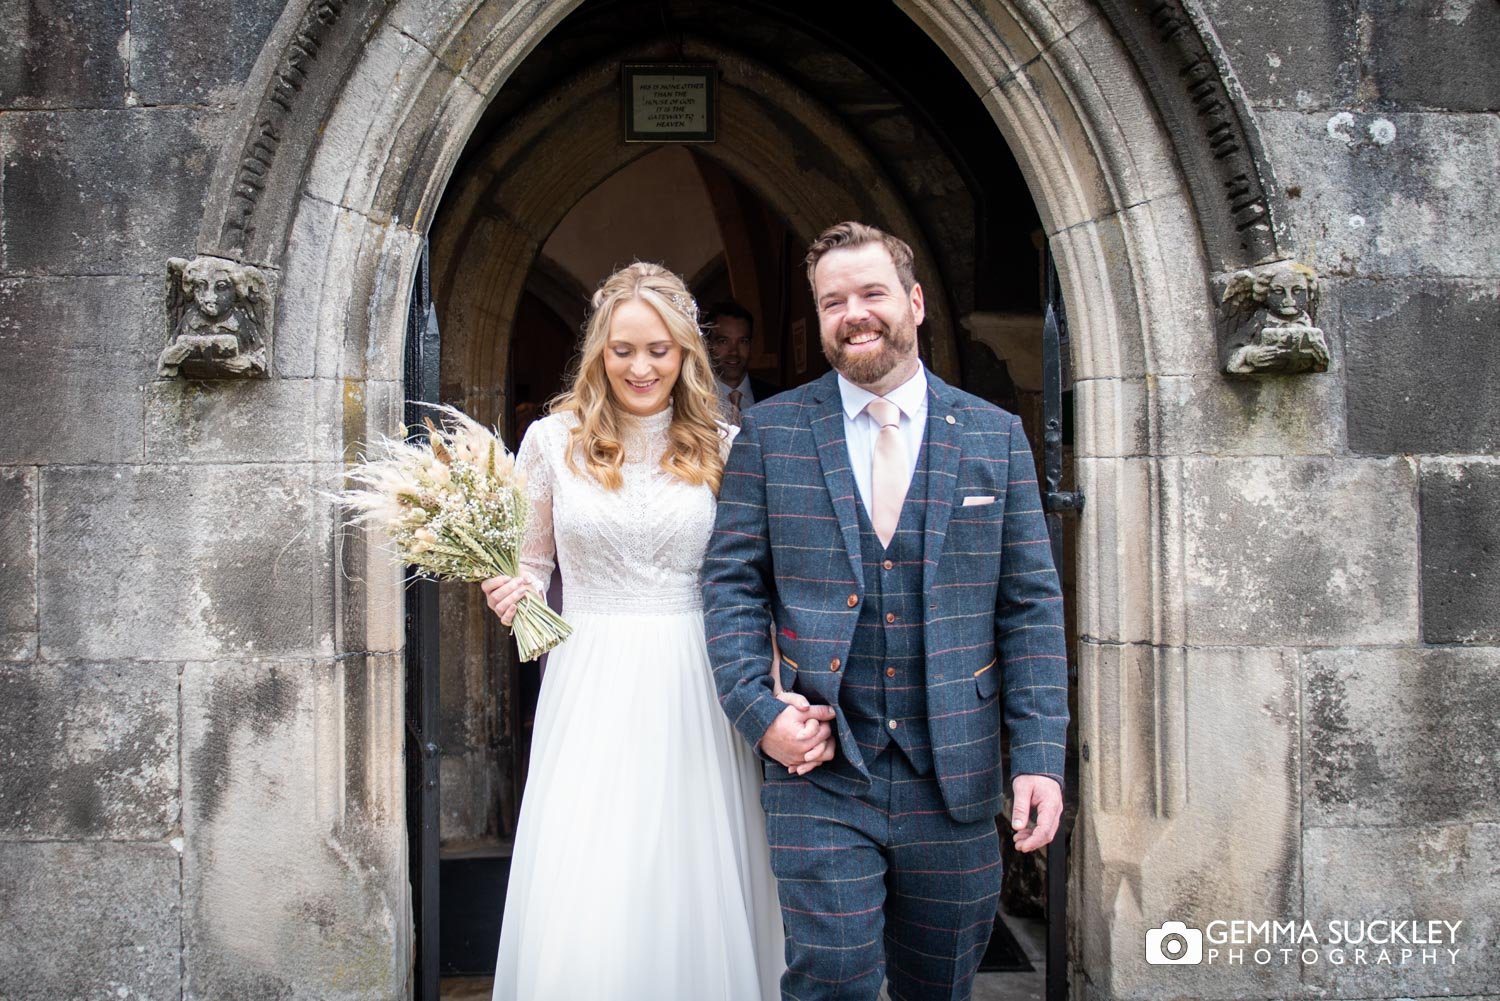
{"x": 950, "y": 419}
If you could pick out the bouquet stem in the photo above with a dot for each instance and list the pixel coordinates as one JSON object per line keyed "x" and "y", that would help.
{"x": 537, "y": 627}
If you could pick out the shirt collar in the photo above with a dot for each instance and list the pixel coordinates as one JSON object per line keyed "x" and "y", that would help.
{"x": 725, "y": 388}
{"x": 908, "y": 396}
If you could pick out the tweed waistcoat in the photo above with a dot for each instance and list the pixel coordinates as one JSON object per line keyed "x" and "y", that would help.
{"x": 885, "y": 679}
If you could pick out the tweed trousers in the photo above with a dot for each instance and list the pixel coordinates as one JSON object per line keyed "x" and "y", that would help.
{"x": 885, "y": 885}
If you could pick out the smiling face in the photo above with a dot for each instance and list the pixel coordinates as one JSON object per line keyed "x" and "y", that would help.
{"x": 867, "y": 322}
{"x": 641, "y": 360}
{"x": 729, "y": 347}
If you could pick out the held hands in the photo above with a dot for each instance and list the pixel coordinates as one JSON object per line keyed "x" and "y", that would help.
{"x": 1043, "y": 794}
{"x": 503, "y": 594}
{"x": 800, "y": 738}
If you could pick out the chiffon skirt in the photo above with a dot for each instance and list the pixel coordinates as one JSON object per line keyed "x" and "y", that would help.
{"x": 640, "y": 870}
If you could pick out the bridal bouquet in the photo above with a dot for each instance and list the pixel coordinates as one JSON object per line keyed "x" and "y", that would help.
{"x": 455, "y": 508}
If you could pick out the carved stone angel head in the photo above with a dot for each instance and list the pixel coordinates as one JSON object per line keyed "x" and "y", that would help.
{"x": 220, "y": 314}
{"x": 1269, "y": 323}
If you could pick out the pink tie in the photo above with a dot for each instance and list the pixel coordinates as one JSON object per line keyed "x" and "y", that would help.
{"x": 890, "y": 473}
{"x": 735, "y": 397}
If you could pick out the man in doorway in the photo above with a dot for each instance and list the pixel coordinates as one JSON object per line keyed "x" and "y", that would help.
{"x": 888, "y": 528}
{"x": 730, "y": 328}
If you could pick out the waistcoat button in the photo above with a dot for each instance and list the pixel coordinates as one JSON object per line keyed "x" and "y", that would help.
{"x": 890, "y": 616}
{"x": 888, "y": 565}
{"x": 890, "y": 672}
{"x": 833, "y": 665}
{"x": 853, "y": 600}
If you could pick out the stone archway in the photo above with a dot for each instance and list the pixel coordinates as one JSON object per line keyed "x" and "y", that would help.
{"x": 331, "y": 184}
{"x": 771, "y": 136}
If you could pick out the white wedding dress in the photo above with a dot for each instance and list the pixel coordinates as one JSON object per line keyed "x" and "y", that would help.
{"x": 641, "y": 871}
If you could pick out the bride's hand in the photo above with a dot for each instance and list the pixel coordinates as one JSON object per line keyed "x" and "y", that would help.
{"x": 503, "y": 594}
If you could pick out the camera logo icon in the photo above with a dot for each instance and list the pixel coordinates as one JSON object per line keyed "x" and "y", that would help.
{"x": 1174, "y": 944}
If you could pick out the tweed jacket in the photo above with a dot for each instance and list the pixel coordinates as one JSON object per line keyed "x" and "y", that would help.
{"x": 786, "y": 550}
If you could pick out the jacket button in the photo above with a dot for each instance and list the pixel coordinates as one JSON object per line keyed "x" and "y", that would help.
{"x": 893, "y": 724}
{"x": 833, "y": 665}
{"x": 853, "y": 600}
{"x": 888, "y": 565}
{"x": 890, "y": 616}
{"x": 890, "y": 672}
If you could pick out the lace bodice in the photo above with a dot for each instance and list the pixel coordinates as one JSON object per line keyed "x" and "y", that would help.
{"x": 635, "y": 550}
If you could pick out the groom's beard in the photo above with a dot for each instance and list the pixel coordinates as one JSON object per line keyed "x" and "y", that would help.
{"x": 868, "y": 368}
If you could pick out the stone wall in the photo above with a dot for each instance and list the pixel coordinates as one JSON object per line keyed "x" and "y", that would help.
{"x": 170, "y": 825}
{"x": 203, "y": 792}
{"x": 1381, "y": 122}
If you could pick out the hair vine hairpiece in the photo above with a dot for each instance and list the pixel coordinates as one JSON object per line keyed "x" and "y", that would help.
{"x": 686, "y": 305}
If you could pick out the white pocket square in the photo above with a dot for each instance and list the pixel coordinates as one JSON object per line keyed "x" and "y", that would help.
{"x": 976, "y": 501}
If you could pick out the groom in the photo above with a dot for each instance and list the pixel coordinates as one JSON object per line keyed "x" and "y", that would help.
{"x": 888, "y": 527}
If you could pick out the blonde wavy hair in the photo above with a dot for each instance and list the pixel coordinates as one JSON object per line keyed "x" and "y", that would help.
{"x": 692, "y": 454}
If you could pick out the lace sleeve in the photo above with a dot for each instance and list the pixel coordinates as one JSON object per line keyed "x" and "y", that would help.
{"x": 538, "y": 550}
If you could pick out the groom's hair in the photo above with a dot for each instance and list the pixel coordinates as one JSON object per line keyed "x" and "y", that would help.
{"x": 857, "y": 234}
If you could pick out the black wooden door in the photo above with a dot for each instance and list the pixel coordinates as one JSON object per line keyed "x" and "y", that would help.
{"x": 422, "y": 749}
{"x": 1056, "y": 414}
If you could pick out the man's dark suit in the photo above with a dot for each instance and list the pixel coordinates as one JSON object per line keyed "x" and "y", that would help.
{"x": 888, "y": 866}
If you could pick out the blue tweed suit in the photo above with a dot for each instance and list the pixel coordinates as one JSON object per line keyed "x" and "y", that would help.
{"x": 888, "y": 867}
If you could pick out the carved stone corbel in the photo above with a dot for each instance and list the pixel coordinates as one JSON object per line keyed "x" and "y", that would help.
{"x": 1268, "y": 321}
{"x": 220, "y": 314}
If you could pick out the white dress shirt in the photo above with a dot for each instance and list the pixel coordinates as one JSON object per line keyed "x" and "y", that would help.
{"x": 861, "y": 430}
{"x": 725, "y": 407}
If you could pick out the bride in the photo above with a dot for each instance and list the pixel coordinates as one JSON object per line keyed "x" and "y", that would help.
{"x": 641, "y": 869}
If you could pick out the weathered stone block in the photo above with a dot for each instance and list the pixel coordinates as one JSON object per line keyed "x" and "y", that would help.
{"x": 1406, "y": 873}
{"x": 1460, "y": 552}
{"x": 94, "y": 920}
{"x": 1288, "y": 55}
{"x": 56, "y": 54}
{"x": 293, "y": 855}
{"x": 1283, "y": 551}
{"x": 181, "y": 562}
{"x": 279, "y": 420}
{"x": 1264, "y": 416}
{"x": 1115, "y": 599}
{"x": 364, "y": 149}
{"x": 1433, "y": 55}
{"x": 198, "y": 52}
{"x": 103, "y": 192}
{"x": 369, "y": 317}
{"x": 1111, "y": 418}
{"x": 92, "y": 750}
{"x": 1208, "y": 823}
{"x": 1401, "y": 737}
{"x": 17, "y": 564}
{"x": 1389, "y": 194}
{"x": 464, "y": 33}
{"x": 77, "y": 356}
{"x": 372, "y": 611}
{"x": 1423, "y": 359}
{"x": 1141, "y": 171}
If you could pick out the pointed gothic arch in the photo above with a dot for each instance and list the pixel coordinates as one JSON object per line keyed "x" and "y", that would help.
{"x": 1149, "y": 183}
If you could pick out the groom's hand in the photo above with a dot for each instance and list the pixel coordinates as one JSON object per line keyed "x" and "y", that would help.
{"x": 800, "y": 738}
{"x": 1043, "y": 794}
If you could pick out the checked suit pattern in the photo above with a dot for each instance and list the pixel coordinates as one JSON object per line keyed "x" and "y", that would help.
{"x": 887, "y": 858}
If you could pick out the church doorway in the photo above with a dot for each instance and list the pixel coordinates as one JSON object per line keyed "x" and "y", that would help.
{"x": 820, "y": 117}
